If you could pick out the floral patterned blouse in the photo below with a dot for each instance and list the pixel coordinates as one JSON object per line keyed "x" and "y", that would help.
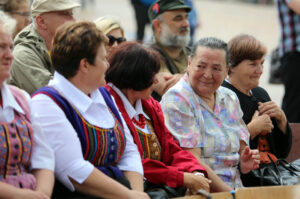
{"x": 217, "y": 132}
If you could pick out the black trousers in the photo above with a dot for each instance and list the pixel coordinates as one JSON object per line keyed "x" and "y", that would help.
{"x": 142, "y": 19}
{"x": 290, "y": 64}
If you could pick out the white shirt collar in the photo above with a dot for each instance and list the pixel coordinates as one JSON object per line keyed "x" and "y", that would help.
{"x": 76, "y": 97}
{"x": 131, "y": 111}
{"x": 8, "y": 99}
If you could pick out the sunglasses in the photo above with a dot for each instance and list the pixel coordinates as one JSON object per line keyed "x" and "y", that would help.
{"x": 113, "y": 39}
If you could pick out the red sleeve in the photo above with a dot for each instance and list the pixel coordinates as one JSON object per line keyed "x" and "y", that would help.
{"x": 175, "y": 160}
{"x": 159, "y": 173}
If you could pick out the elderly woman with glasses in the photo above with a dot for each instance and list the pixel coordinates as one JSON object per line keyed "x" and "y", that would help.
{"x": 20, "y": 11}
{"x": 26, "y": 159}
{"x": 207, "y": 119}
{"x": 267, "y": 123}
{"x": 95, "y": 155}
{"x": 113, "y": 30}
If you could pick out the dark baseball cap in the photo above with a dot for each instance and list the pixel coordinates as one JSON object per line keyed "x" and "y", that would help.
{"x": 161, "y": 6}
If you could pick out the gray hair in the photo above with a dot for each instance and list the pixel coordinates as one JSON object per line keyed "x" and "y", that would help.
{"x": 8, "y": 23}
{"x": 213, "y": 43}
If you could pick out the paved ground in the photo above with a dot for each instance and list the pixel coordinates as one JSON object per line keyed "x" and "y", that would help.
{"x": 223, "y": 19}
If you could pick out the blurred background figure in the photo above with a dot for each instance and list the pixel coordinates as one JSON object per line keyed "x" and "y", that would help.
{"x": 32, "y": 67}
{"x": 112, "y": 29}
{"x": 20, "y": 11}
{"x": 84, "y": 3}
{"x": 193, "y": 20}
{"x": 141, "y": 16}
{"x": 171, "y": 35}
{"x": 289, "y": 52}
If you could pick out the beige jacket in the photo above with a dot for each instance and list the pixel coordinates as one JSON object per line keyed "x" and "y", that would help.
{"x": 31, "y": 67}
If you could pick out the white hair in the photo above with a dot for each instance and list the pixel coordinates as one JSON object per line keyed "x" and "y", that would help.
{"x": 8, "y": 23}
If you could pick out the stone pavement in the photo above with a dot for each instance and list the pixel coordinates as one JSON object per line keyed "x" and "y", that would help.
{"x": 219, "y": 18}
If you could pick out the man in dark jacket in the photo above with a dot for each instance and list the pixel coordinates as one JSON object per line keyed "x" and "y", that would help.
{"x": 171, "y": 31}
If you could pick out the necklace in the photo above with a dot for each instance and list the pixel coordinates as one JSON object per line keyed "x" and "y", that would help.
{"x": 142, "y": 121}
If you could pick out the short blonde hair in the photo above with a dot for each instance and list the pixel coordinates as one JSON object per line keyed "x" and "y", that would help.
{"x": 107, "y": 24}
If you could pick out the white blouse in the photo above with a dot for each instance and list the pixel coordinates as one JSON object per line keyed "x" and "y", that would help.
{"x": 42, "y": 154}
{"x": 69, "y": 161}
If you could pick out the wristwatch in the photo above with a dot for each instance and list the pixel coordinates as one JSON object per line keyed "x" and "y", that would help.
{"x": 199, "y": 174}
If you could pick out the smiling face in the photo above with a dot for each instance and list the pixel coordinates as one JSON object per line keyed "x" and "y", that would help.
{"x": 207, "y": 70}
{"x": 6, "y": 56}
{"x": 247, "y": 73}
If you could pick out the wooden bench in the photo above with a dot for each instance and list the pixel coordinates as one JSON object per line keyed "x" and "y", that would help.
{"x": 295, "y": 150}
{"x": 270, "y": 192}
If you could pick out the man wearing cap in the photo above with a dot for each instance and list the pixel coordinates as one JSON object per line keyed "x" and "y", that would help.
{"x": 32, "y": 67}
{"x": 171, "y": 33}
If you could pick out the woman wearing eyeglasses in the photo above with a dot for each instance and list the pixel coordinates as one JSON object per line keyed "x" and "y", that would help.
{"x": 112, "y": 29}
{"x": 20, "y": 11}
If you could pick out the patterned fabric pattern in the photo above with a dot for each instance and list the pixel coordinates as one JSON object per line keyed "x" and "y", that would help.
{"x": 290, "y": 28}
{"x": 216, "y": 132}
{"x": 15, "y": 152}
{"x": 150, "y": 143}
{"x": 105, "y": 146}
{"x": 100, "y": 146}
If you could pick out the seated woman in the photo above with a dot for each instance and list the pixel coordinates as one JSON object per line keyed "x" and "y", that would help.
{"x": 112, "y": 29}
{"x": 20, "y": 11}
{"x": 207, "y": 119}
{"x": 130, "y": 78}
{"x": 267, "y": 124}
{"x": 23, "y": 147}
{"x": 94, "y": 150}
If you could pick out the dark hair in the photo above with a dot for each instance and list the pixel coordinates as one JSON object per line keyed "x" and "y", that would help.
{"x": 132, "y": 66}
{"x": 213, "y": 43}
{"x": 73, "y": 42}
{"x": 244, "y": 47}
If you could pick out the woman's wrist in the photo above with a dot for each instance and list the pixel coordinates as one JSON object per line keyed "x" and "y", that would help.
{"x": 197, "y": 173}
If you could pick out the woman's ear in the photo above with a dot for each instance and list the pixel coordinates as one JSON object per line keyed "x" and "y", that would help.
{"x": 83, "y": 65}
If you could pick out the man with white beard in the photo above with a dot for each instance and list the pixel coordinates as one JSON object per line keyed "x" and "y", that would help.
{"x": 171, "y": 33}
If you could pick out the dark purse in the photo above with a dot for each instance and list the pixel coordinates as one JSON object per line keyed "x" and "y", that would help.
{"x": 279, "y": 172}
{"x": 163, "y": 191}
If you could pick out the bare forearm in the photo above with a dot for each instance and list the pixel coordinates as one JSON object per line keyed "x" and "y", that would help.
{"x": 295, "y": 6}
{"x": 45, "y": 181}
{"x": 135, "y": 179}
{"x": 98, "y": 184}
{"x": 8, "y": 191}
{"x": 217, "y": 185}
